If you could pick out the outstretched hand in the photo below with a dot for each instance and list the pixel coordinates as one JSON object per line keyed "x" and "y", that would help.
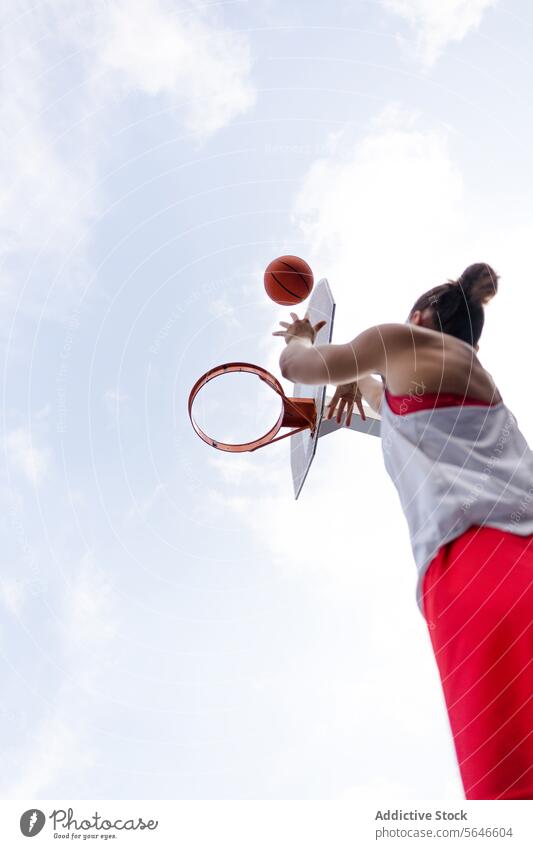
{"x": 301, "y": 328}
{"x": 343, "y": 401}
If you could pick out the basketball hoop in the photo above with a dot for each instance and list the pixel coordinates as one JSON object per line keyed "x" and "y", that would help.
{"x": 296, "y": 413}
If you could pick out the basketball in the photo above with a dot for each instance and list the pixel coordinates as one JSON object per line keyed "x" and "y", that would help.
{"x": 288, "y": 280}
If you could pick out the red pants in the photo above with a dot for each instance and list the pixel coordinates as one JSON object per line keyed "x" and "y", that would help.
{"x": 478, "y": 603}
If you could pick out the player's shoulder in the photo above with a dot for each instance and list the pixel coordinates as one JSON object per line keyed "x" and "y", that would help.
{"x": 388, "y": 344}
{"x": 394, "y": 333}
{"x": 391, "y": 334}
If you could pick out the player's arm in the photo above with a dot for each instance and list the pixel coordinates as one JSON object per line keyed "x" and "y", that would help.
{"x": 369, "y": 353}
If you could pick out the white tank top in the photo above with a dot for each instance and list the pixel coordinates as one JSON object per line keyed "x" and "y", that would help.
{"x": 457, "y": 466}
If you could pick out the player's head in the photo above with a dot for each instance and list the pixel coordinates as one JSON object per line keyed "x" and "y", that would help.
{"x": 456, "y": 307}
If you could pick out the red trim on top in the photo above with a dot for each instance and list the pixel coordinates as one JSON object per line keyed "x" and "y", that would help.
{"x": 401, "y": 405}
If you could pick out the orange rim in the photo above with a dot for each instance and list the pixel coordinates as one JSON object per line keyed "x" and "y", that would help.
{"x": 299, "y": 411}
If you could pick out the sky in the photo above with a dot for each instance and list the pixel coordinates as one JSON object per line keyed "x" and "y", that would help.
{"x": 173, "y": 625}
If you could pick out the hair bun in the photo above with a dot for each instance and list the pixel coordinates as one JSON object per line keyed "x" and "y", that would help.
{"x": 479, "y": 283}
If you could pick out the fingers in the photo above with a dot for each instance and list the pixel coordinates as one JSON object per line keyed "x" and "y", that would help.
{"x": 319, "y": 325}
{"x": 349, "y": 413}
{"x": 285, "y": 324}
{"x": 294, "y": 316}
{"x": 280, "y": 333}
{"x": 331, "y": 408}
{"x": 332, "y": 404}
{"x": 344, "y": 403}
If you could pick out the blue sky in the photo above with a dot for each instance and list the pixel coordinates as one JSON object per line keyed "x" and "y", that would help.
{"x": 172, "y": 624}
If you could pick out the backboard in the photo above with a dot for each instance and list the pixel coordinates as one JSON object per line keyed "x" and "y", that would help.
{"x": 304, "y": 445}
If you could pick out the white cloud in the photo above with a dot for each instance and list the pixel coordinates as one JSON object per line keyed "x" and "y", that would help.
{"x": 439, "y": 22}
{"x": 13, "y": 594}
{"x": 53, "y": 751}
{"x": 45, "y": 204}
{"x": 239, "y": 470}
{"x": 154, "y": 48}
{"x": 115, "y": 397}
{"x": 143, "y": 506}
{"x": 49, "y": 195}
{"x": 378, "y": 789}
{"x": 89, "y": 611}
{"x": 26, "y": 456}
{"x": 115, "y": 401}
{"x": 61, "y": 747}
{"x": 381, "y": 216}
{"x": 224, "y": 311}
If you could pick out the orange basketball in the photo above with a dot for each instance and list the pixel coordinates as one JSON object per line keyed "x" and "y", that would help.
{"x": 288, "y": 280}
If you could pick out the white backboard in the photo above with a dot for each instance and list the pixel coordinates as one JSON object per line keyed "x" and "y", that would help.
{"x": 303, "y": 445}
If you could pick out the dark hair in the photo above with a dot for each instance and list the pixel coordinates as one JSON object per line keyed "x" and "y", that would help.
{"x": 457, "y": 306}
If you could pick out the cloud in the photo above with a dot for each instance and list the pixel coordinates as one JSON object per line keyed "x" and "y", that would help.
{"x": 377, "y": 789}
{"x": 12, "y": 593}
{"x": 222, "y": 309}
{"x": 89, "y": 610}
{"x": 202, "y": 67}
{"x": 61, "y": 746}
{"x": 114, "y": 397}
{"x": 105, "y": 52}
{"x": 52, "y": 751}
{"x": 26, "y": 456}
{"x": 115, "y": 402}
{"x": 381, "y": 215}
{"x": 44, "y": 201}
{"x": 439, "y": 22}
{"x": 143, "y": 506}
